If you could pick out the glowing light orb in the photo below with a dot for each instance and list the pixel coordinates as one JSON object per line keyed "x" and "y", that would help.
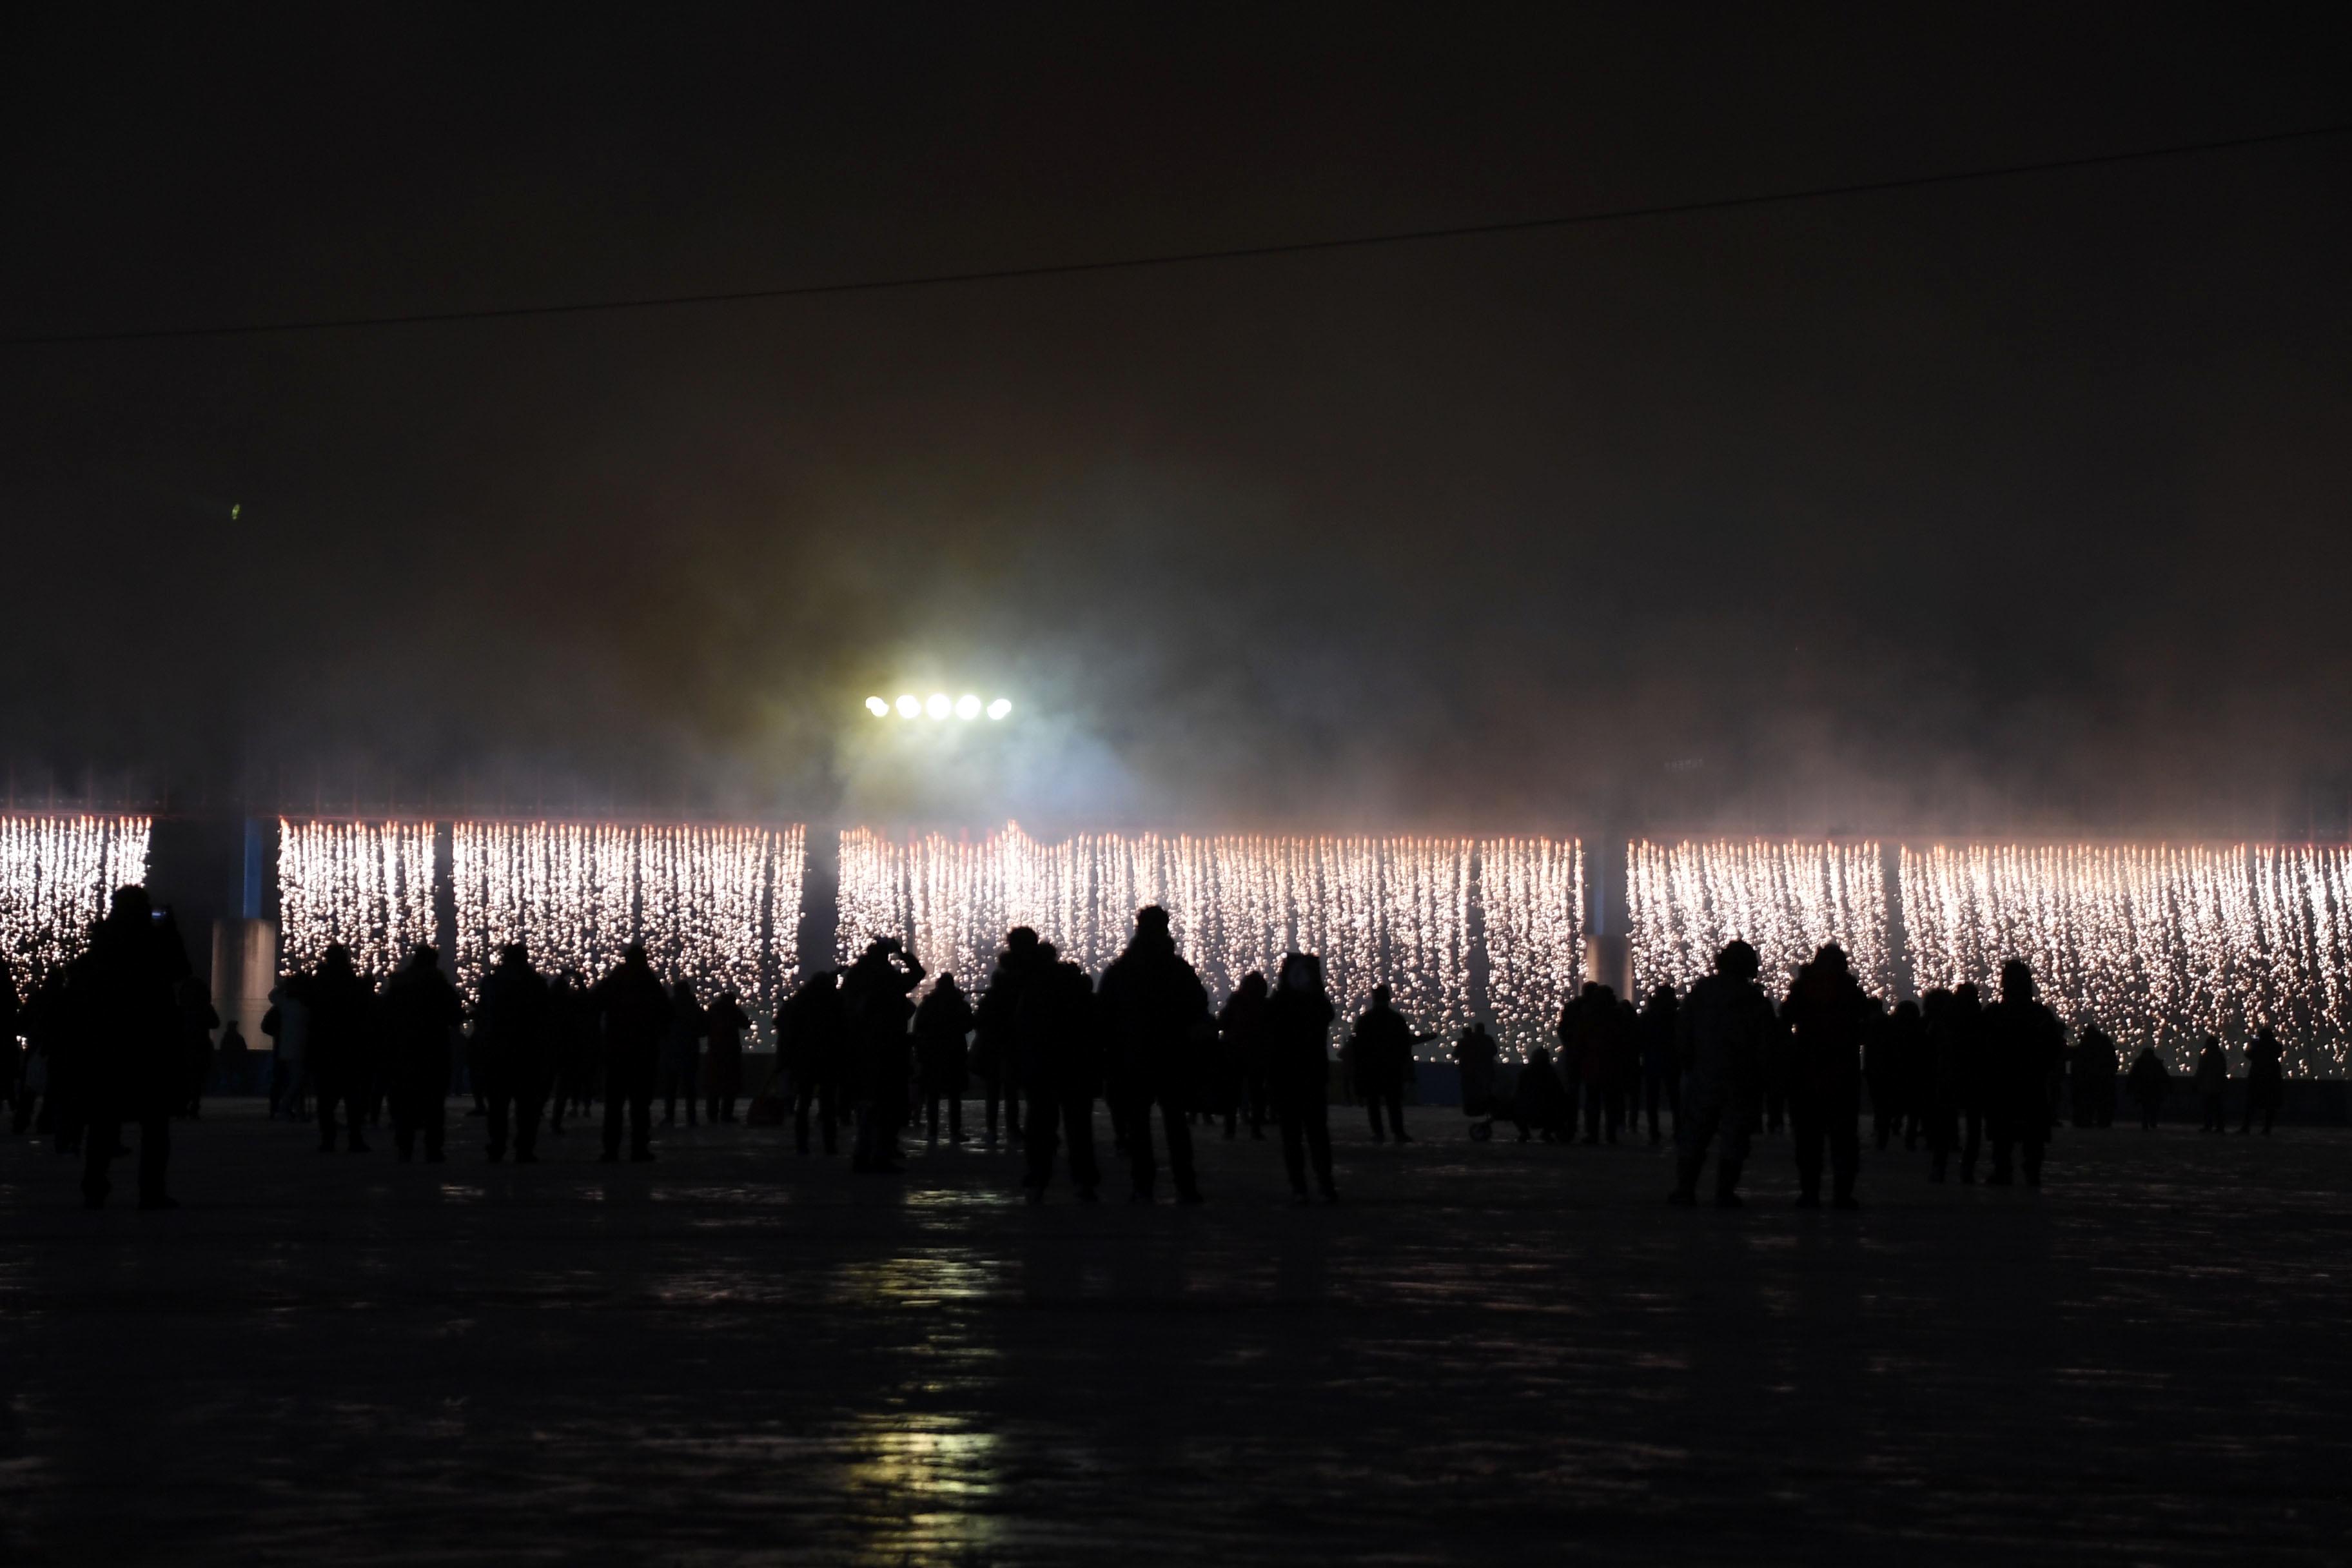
{"x": 879, "y": 709}
{"x": 910, "y": 705}
{"x": 999, "y": 709}
{"x": 966, "y": 707}
{"x": 938, "y": 707}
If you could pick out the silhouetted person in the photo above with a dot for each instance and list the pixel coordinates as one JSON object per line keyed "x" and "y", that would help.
{"x": 2148, "y": 1084}
{"x": 75, "y": 1078}
{"x": 2265, "y": 1079}
{"x": 234, "y": 1059}
{"x": 577, "y": 1043}
{"x": 197, "y": 1021}
{"x": 1828, "y": 1015}
{"x": 420, "y": 1009}
{"x": 681, "y": 1056}
{"x": 874, "y": 996}
{"x": 1540, "y": 1106}
{"x": 1299, "y": 1028}
{"x": 1955, "y": 1037}
{"x": 636, "y": 1012}
{"x": 1659, "y": 1078}
{"x": 1913, "y": 1063}
{"x": 1625, "y": 1067}
{"x": 2023, "y": 1044}
{"x": 2213, "y": 1083}
{"x": 1475, "y": 1056}
{"x": 136, "y": 1071}
{"x": 44, "y": 1022}
{"x": 1565, "y": 1063}
{"x": 287, "y": 1025}
{"x": 1153, "y": 1000}
{"x": 995, "y": 1021}
{"x": 2092, "y": 1076}
{"x": 942, "y": 1028}
{"x": 342, "y": 1044}
{"x": 1882, "y": 1077}
{"x": 1594, "y": 1037}
{"x": 1241, "y": 1034}
{"x": 1379, "y": 1048}
{"x": 723, "y": 1025}
{"x": 1058, "y": 1036}
{"x": 514, "y": 1023}
{"x": 809, "y": 1039}
{"x": 12, "y": 1058}
{"x": 1726, "y": 1026}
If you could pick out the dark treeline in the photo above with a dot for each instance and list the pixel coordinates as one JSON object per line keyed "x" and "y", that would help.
{"x": 123, "y": 1035}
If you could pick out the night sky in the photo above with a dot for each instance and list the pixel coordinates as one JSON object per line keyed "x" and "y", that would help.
{"x": 2014, "y": 505}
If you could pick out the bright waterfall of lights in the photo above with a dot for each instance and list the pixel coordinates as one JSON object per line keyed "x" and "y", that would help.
{"x": 718, "y": 906}
{"x": 1531, "y": 901}
{"x": 2158, "y": 943}
{"x": 57, "y": 875}
{"x": 1784, "y": 899}
{"x": 1377, "y": 909}
{"x": 368, "y": 885}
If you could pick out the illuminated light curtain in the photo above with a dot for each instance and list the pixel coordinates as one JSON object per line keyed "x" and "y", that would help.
{"x": 2158, "y": 942}
{"x": 872, "y": 897}
{"x": 1375, "y": 908}
{"x": 716, "y": 905}
{"x": 1785, "y": 899}
{"x": 367, "y": 884}
{"x": 57, "y": 874}
{"x": 1531, "y": 903}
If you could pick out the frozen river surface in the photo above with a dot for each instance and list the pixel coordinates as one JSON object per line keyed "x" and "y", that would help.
{"x": 1497, "y": 1352}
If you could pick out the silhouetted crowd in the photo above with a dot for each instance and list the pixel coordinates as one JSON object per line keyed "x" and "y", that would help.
{"x": 120, "y": 1037}
{"x": 123, "y": 1035}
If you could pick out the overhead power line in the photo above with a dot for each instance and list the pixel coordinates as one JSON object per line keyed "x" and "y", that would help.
{"x": 1170, "y": 258}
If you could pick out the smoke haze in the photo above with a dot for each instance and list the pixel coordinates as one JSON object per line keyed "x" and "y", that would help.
{"x": 2014, "y": 506}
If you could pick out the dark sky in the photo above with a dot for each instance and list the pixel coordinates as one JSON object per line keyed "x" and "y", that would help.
{"x": 2021, "y": 503}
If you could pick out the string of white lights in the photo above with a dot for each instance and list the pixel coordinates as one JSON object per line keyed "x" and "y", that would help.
{"x": 57, "y": 874}
{"x": 367, "y": 884}
{"x": 1785, "y": 900}
{"x": 718, "y": 906}
{"x": 1531, "y": 903}
{"x": 1378, "y": 910}
{"x": 2157, "y": 943}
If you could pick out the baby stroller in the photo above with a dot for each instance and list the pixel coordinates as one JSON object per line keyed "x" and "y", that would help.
{"x": 1485, "y": 1110}
{"x": 1483, "y": 1103}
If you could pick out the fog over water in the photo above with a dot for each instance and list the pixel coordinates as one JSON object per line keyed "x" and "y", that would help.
{"x": 2011, "y": 507}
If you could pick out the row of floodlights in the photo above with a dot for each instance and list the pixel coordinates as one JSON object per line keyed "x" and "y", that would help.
{"x": 938, "y": 705}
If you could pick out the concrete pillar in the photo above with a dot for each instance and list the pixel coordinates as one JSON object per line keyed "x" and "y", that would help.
{"x": 1608, "y": 958}
{"x": 1609, "y": 961}
{"x": 244, "y": 970}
